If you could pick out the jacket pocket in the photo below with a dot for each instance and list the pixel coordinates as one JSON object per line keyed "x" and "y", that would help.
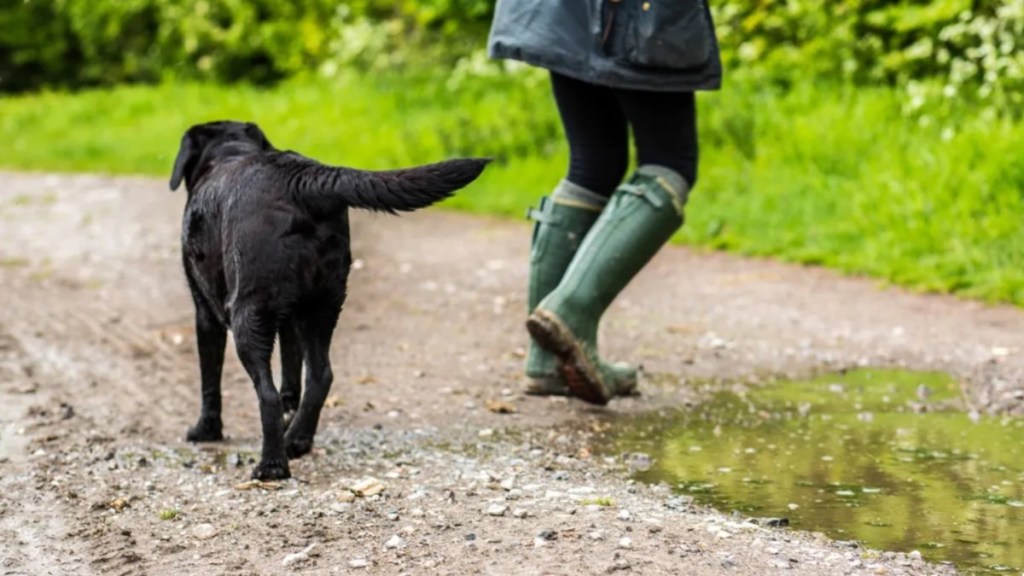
{"x": 669, "y": 34}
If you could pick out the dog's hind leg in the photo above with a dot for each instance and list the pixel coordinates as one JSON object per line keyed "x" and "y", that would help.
{"x": 211, "y": 337}
{"x": 291, "y": 370}
{"x": 254, "y": 340}
{"x": 317, "y": 343}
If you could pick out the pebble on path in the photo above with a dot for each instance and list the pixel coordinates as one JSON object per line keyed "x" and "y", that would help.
{"x": 204, "y": 531}
{"x": 299, "y": 556}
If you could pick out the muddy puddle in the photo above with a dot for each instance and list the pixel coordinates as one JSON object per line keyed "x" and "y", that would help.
{"x": 886, "y": 458}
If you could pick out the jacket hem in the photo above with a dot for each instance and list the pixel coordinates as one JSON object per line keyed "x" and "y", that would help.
{"x": 704, "y": 80}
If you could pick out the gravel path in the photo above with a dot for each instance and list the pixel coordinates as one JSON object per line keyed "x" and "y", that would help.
{"x": 412, "y": 473}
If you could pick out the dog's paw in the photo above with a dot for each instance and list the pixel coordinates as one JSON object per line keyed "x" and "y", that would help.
{"x": 271, "y": 470}
{"x": 206, "y": 430}
{"x": 296, "y": 447}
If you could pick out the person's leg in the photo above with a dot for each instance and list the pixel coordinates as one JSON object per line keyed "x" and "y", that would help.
{"x": 598, "y": 141}
{"x": 664, "y": 129}
{"x": 640, "y": 217}
{"x": 595, "y": 128}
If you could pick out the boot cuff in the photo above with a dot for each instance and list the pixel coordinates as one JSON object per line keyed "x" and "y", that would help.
{"x": 571, "y": 194}
{"x": 670, "y": 180}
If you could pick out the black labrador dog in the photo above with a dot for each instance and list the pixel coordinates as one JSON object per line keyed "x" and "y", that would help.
{"x": 265, "y": 243}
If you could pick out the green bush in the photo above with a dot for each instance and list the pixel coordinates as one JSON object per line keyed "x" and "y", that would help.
{"x": 254, "y": 40}
{"x": 75, "y": 43}
{"x": 37, "y": 47}
{"x": 941, "y": 50}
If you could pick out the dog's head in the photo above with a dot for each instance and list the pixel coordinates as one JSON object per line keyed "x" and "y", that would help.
{"x": 204, "y": 144}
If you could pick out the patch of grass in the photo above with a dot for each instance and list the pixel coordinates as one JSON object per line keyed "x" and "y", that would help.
{"x": 817, "y": 174}
{"x": 841, "y": 178}
{"x": 168, "y": 514}
{"x": 41, "y": 275}
{"x": 604, "y": 501}
{"x": 13, "y": 262}
{"x": 28, "y": 199}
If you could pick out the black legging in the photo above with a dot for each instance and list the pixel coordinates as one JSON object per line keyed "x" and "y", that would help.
{"x": 595, "y": 119}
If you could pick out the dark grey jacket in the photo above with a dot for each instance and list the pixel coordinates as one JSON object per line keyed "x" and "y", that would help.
{"x": 662, "y": 45}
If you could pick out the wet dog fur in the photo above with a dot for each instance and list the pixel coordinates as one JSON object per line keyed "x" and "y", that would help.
{"x": 265, "y": 246}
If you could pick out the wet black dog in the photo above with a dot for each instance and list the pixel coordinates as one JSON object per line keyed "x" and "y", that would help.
{"x": 265, "y": 242}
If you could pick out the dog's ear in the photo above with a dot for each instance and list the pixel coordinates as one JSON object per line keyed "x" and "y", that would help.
{"x": 185, "y": 162}
{"x": 254, "y": 132}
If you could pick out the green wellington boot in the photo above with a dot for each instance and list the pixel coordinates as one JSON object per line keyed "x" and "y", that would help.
{"x": 562, "y": 222}
{"x": 640, "y": 217}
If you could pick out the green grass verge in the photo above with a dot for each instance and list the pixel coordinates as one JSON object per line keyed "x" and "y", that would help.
{"x": 817, "y": 174}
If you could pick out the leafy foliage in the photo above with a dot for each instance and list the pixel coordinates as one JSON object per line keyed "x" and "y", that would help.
{"x": 941, "y": 51}
{"x": 26, "y": 61}
{"x": 103, "y": 42}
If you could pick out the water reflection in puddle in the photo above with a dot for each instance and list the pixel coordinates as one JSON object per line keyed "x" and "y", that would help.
{"x": 884, "y": 457}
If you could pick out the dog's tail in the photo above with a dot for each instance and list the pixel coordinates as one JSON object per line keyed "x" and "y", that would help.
{"x": 328, "y": 188}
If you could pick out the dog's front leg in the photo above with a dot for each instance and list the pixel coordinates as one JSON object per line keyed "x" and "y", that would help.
{"x": 254, "y": 341}
{"x": 211, "y": 337}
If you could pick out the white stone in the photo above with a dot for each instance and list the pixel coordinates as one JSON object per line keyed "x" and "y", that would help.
{"x": 298, "y": 556}
{"x": 204, "y": 531}
{"x": 582, "y": 490}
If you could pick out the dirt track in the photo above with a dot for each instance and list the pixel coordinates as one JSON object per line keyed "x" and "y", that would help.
{"x": 98, "y": 382}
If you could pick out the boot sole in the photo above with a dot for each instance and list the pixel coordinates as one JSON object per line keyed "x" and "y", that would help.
{"x": 547, "y": 386}
{"x": 582, "y": 377}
